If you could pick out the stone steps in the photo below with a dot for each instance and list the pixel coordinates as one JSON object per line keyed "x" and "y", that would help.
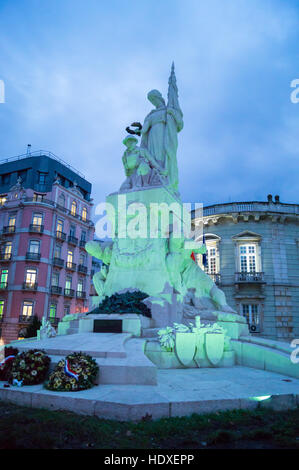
{"x": 150, "y": 333}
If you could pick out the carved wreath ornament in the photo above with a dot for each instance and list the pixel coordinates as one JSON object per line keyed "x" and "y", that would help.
{"x": 136, "y": 131}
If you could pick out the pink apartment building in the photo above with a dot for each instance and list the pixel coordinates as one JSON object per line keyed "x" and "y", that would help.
{"x": 45, "y": 222}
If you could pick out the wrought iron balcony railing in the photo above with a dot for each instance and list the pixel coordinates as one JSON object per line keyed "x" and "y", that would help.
{"x": 36, "y": 228}
{"x": 80, "y": 294}
{"x": 30, "y": 285}
{"x": 69, "y": 292}
{"x": 249, "y": 277}
{"x": 32, "y": 256}
{"x": 71, "y": 266}
{"x": 72, "y": 240}
{"x": 216, "y": 277}
{"x": 8, "y": 229}
{"x": 56, "y": 290}
{"x": 5, "y": 256}
{"x": 82, "y": 269}
{"x": 3, "y": 285}
{"x": 58, "y": 262}
{"x": 60, "y": 235}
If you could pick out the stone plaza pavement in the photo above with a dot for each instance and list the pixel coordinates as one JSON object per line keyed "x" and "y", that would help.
{"x": 177, "y": 393}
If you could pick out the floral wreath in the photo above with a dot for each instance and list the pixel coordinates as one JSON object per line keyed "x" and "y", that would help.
{"x": 78, "y": 371}
{"x": 30, "y": 367}
{"x": 6, "y": 364}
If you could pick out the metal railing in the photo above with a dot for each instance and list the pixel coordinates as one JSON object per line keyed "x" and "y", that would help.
{"x": 56, "y": 290}
{"x": 36, "y": 228}
{"x": 32, "y": 256}
{"x": 249, "y": 277}
{"x": 58, "y": 262}
{"x": 82, "y": 269}
{"x": 69, "y": 292}
{"x": 41, "y": 153}
{"x": 30, "y": 285}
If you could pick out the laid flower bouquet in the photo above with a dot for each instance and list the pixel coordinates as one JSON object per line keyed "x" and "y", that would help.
{"x": 76, "y": 372}
{"x": 7, "y": 362}
{"x": 30, "y": 367}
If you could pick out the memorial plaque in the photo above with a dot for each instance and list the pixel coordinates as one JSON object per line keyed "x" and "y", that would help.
{"x": 107, "y": 326}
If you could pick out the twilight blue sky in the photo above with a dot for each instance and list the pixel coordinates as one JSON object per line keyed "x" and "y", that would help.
{"x": 77, "y": 73}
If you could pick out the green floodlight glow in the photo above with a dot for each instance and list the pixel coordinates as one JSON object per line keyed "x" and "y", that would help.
{"x": 265, "y": 397}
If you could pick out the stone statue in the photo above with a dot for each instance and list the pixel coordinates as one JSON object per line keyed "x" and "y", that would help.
{"x": 196, "y": 288}
{"x": 160, "y": 129}
{"x": 47, "y": 330}
{"x": 140, "y": 167}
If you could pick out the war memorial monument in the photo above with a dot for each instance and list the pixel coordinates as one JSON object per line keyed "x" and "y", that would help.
{"x": 192, "y": 352}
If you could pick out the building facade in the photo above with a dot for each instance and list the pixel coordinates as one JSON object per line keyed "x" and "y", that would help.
{"x": 45, "y": 222}
{"x": 253, "y": 256}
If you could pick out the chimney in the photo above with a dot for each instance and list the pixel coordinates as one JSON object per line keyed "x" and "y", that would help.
{"x": 269, "y": 197}
{"x": 277, "y": 199}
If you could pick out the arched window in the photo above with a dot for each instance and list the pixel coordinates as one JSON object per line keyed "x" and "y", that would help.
{"x": 74, "y": 208}
{"x": 84, "y": 214}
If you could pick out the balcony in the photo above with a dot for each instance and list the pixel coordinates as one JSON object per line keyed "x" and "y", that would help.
{"x": 253, "y": 277}
{"x": 3, "y": 285}
{"x": 71, "y": 266}
{"x": 72, "y": 240}
{"x": 82, "y": 269}
{"x": 82, "y": 243}
{"x": 80, "y": 294}
{"x": 216, "y": 277}
{"x": 25, "y": 318}
{"x": 60, "y": 235}
{"x": 5, "y": 256}
{"x": 54, "y": 321}
{"x": 58, "y": 262}
{"x": 30, "y": 256}
{"x": 9, "y": 229}
{"x": 30, "y": 286}
{"x": 56, "y": 290}
{"x": 36, "y": 228}
{"x": 69, "y": 292}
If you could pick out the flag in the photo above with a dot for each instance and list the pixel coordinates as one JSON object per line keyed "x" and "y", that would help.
{"x": 204, "y": 255}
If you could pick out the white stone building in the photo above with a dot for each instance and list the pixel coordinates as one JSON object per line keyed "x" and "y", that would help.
{"x": 253, "y": 255}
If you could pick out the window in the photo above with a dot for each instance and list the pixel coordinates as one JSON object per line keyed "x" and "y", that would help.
{"x": 68, "y": 282}
{"x": 247, "y": 258}
{"x": 59, "y": 226}
{"x": 1, "y": 308}
{"x": 61, "y": 199}
{"x": 83, "y": 236}
{"x": 84, "y": 214}
{"x": 3, "y": 278}
{"x": 7, "y": 249}
{"x": 34, "y": 246}
{"x": 57, "y": 251}
{"x": 72, "y": 231}
{"x": 80, "y": 285}
{"x": 74, "y": 208}
{"x": 70, "y": 256}
{"x": 38, "y": 197}
{"x": 27, "y": 309}
{"x": 82, "y": 259}
{"x": 6, "y": 178}
{"x": 251, "y": 313}
{"x": 52, "y": 311}
{"x": 55, "y": 279}
{"x": 30, "y": 277}
{"x": 42, "y": 178}
{"x": 12, "y": 221}
{"x": 66, "y": 310}
{"x": 37, "y": 219}
{"x": 3, "y": 199}
{"x": 211, "y": 266}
